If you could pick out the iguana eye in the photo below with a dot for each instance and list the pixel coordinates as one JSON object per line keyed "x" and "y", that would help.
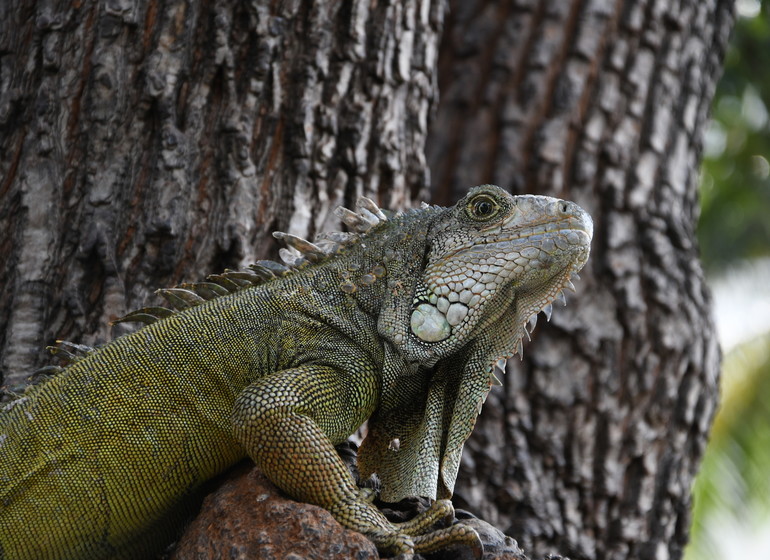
{"x": 482, "y": 208}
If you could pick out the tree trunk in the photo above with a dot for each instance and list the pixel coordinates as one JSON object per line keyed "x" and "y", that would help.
{"x": 590, "y": 447}
{"x": 147, "y": 143}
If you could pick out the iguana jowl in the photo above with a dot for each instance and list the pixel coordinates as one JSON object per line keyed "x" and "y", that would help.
{"x": 401, "y": 323}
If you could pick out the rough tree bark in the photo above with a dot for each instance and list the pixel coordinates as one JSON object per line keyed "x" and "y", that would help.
{"x": 144, "y": 143}
{"x": 590, "y": 447}
{"x": 147, "y": 143}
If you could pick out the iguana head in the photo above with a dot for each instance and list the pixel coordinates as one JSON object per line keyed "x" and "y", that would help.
{"x": 492, "y": 254}
{"x": 489, "y": 265}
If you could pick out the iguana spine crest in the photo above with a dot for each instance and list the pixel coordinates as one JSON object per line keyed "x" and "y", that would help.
{"x": 190, "y": 294}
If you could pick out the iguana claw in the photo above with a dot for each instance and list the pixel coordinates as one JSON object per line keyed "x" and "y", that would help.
{"x": 424, "y": 540}
{"x": 440, "y": 510}
{"x": 457, "y": 534}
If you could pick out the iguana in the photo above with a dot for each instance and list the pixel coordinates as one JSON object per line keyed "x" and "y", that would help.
{"x": 402, "y": 322}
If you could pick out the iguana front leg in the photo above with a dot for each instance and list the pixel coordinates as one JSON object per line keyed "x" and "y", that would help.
{"x": 287, "y": 422}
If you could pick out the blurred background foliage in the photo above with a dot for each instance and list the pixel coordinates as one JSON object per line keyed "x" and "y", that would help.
{"x": 731, "y": 517}
{"x": 735, "y": 193}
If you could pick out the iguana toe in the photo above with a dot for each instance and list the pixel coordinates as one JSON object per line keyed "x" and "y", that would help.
{"x": 457, "y": 534}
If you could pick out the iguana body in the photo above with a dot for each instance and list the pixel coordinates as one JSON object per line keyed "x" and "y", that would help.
{"x": 401, "y": 325}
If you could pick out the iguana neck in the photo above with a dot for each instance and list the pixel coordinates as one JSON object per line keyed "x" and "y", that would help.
{"x": 386, "y": 263}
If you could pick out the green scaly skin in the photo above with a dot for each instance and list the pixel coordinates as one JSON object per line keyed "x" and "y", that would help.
{"x": 401, "y": 325}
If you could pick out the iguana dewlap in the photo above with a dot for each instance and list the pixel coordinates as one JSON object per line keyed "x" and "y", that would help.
{"x": 401, "y": 323}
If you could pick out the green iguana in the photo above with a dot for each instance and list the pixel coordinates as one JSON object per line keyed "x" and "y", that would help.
{"x": 402, "y": 322}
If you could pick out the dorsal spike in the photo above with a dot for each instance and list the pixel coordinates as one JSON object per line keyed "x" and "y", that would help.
{"x": 338, "y": 237}
{"x": 145, "y": 315}
{"x": 68, "y": 352}
{"x": 328, "y": 246}
{"x": 264, "y": 273}
{"x": 63, "y": 353}
{"x": 46, "y": 371}
{"x": 226, "y": 283}
{"x": 532, "y": 323}
{"x": 172, "y": 299}
{"x": 570, "y": 286}
{"x": 207, "y": 290}
{"x": 290, "y": 257}
{"x": 180, "y": 298}
{"x": 276, "y": 268}
{"x": 365, "y": 203}
{"x": 230, "y": 275}
{"x": 137, "y": 317}
{"x": 78, "y": 349}
{"x": 368, "y": 217}
{"x": 353, "y": 220}
{"x": 248, "y": 278}
{"x": 331, "y": 242}
{"x": 308, "y": 250}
